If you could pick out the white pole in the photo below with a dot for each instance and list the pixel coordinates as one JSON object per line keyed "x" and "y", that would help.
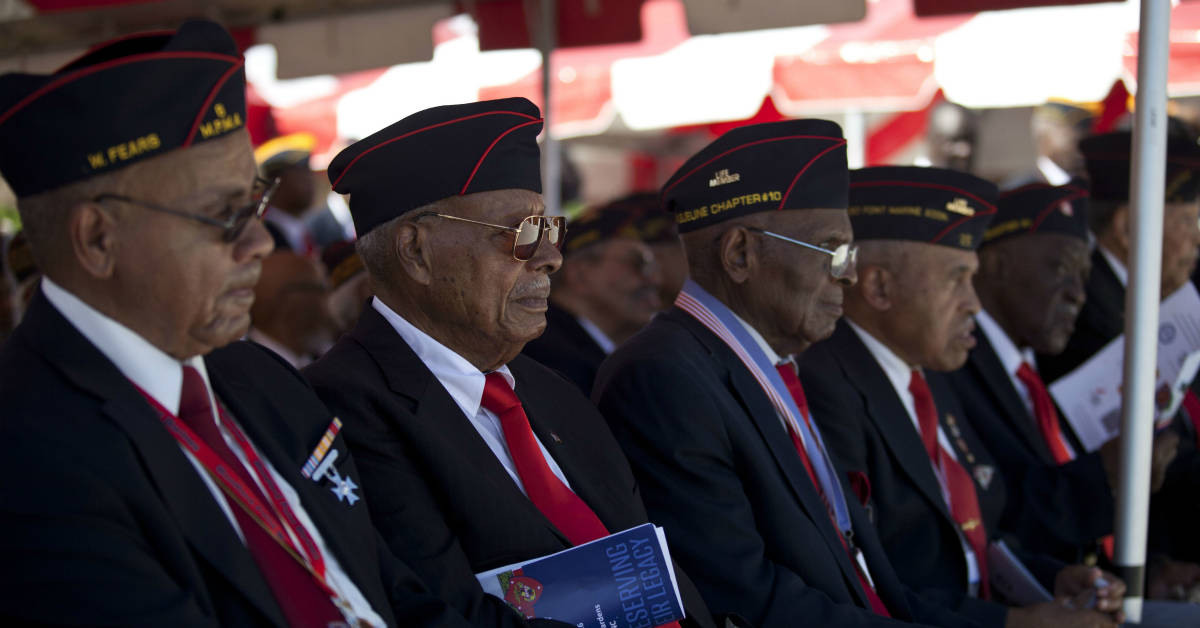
{"x": 551, "y": 149}
{"x": 855, "y": 129}
{"x": 1141, "y": 301}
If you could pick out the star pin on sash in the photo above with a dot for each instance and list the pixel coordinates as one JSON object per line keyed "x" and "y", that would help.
{"x": 320, "y": 466}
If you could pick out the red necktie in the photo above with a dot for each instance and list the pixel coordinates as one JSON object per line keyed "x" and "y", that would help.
{"x": 788, "y": 372}
{"x": 558, "y": 503}
{"x": 303, "y": 601}
{"x": 1191, "y": 404}
{"x": 1044, "y": 412}
{"x": 964, "y": 502}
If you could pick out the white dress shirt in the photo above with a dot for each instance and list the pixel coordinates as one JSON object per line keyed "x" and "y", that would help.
{"x": 294, "y": 229}
{"x": 161, "y": 377}
{"x": 465, "y": 384}
{"x": 1117, "y": 267}
{"x": 597, "y": 334}
{"x": 1054, "y": 175}
{"x": 899, "y": 373}
{"x": 297, "y": 361}
{"x": 1012, "y": 358}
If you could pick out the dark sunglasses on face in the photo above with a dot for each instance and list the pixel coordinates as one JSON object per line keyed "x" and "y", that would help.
{"x": 238, "y": 218}
{"x": 527, "y": 235}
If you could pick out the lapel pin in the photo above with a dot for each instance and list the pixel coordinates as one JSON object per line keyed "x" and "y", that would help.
{"x": 555, "y": 438}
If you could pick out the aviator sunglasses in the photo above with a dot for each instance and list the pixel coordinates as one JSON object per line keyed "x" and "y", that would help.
{"x": 527, "y": 235}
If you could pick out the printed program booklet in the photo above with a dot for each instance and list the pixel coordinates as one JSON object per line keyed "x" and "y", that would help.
{"x": 1090, "y": 396}
{"x": 624, "y": 580}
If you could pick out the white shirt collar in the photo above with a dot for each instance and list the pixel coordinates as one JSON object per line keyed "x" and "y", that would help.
{"x": 147, "y": 366}
{"x": 597, "y": 334}
{"x": 293, "y": 228}
{"x": 1054, "y": 174}
{"x": 460, "y": 378}
{"x": 1117, "y": 267}
{"x": 1011, "y": 356}
{"x": 898, "y": 372}
{"x": 297, "y": 361}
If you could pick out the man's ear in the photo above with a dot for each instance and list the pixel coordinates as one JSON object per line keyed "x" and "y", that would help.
{"x": 877, "y": 287}
{"x": 93, "y": 237}
{"x": 739, "y": 254}
{"x": 411, "y": 246}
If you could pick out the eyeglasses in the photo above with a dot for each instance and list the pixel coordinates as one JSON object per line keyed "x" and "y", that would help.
{"x": 528, "y": 233}
{"x": 843, "y": 256}
{"x": 260, "y": 199}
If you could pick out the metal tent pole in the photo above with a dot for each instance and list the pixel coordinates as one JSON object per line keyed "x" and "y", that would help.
{"x": 1141, "y": 301}
{"x": 551, "y": 149}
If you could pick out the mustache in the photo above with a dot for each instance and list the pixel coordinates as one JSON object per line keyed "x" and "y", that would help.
{"x": 245, "y": 278}
{"x": 539, "y": 289}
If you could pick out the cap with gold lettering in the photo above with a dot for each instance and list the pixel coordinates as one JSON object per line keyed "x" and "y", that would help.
{"x": 124, "y": 101}
{"x": 933, "y": 205}
{"x": 452, "y": 150}
{"x": 280, "y": 153}
{"x": 794, "y": 164}
{"x": 1041, "y": 208}
{"x": 1108, "y": 158}
{"x": 637, "y": 217}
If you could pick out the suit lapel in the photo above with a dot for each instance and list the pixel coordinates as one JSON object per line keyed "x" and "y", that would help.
{"x": 543, "y": 417}
{"x": 1106, "y": 296}
{"x": 435, "y": 409}
{"x": 259, "y": 418}
{"x": 182, "y": 491}
{"x": 766, "y": 421}
{"x": 990, "y": 372}
{"x": 887, "y": 413}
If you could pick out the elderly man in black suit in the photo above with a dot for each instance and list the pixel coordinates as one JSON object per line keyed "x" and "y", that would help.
{"x": 156, "y": 478}
{"x": 936, "y": 493}
{"x": 474, "y": 456}
{"x": 706, "y": 401}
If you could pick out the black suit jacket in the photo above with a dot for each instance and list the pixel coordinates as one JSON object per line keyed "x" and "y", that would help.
{"x": 1063, "y": 509}
{"x": 721, "y": 475}
{"x": 867, "y": 430}
{"x": 566, "y": 347}
{"x": 442, "y": 500}
{"x": 104, "y": 521}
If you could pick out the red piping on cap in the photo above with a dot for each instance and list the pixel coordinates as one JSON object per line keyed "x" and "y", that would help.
{"x": 92, "y": 69}
{"x": 746, "y": 145}
{"x": 207, "y": 101}
{"x": 489, "y": 149}
{"x": 954, "y": 225}
{"x": 421, "y": 130}
{"x": 802, "y": 170}
{"x": 1076, "y": 193}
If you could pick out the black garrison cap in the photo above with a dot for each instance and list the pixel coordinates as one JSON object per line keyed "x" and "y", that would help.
{"x": 1109, "y": 155}
{"x": 637, "y": 216}
{"x": 795, "y": 164}
{"x": 452, "y": 150}
{"x": 124, "y": 101}
{"x": 933, "y": 205}
{"x": 1041, "y": 208}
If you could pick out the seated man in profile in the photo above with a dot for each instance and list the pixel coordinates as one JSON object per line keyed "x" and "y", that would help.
{"x": 154, "y": 475}
{"x": 935, "y": 493}
{"x": 474, "y": 456}
{"x": 708, "y": 407}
